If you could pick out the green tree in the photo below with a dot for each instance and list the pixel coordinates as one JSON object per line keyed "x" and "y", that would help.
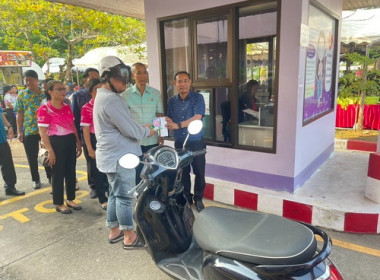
{"x": 52, "y": 29}
{"x": 356, "y": 86}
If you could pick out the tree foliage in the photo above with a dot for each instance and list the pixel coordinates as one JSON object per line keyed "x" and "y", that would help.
{"x": 354, "y": 87}
{"x": 56, "y": 30}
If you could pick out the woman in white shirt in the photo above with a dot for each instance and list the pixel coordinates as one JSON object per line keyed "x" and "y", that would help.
{"x": 10, "y": 97}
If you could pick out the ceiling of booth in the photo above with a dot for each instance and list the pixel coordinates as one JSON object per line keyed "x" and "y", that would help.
{"x": 135, "y": 8}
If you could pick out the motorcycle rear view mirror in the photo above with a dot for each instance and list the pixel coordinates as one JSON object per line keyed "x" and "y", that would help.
{"x": 195, "y": 127}
{"x": 129, "y": 161}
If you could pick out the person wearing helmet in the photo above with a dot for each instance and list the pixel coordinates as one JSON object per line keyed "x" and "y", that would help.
{"x": 117, "y": 134}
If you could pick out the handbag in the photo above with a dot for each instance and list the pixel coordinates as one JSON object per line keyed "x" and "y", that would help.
{"x": 42, "y": 156}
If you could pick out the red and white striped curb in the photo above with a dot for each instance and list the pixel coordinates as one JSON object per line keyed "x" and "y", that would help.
{"x": 264, "y": 201}
{"x": 366, "y": 146}
{"x": 372, "y": 188}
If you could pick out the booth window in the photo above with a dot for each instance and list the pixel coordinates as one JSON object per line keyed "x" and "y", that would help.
{"x": 176, "y": 51}
{"x": 211, "y": 47}
{"x": 257, "y": 48}
{"x": 231, "y": 56}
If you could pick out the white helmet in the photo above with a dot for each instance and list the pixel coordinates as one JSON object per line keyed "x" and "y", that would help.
{"x": 115, "y": 67}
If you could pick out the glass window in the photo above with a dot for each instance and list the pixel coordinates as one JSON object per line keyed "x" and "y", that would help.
{"x": 256, "y": 108}
{"x": 177, "y": 51}
{"x": 212, "y": 48}
{"x": 231, "y": 56}
{"x": 217, "y": 120}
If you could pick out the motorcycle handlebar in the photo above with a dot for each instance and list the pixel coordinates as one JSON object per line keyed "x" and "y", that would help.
{"x": 139, "y": 188}
{"x": 200, "y": 152}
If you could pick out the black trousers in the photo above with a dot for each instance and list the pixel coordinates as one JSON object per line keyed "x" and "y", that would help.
{"x": 32, "y": 146}
{"x": 63, "y": 172}
{"x": 7, "y": 167}
{"x": 100, "y": 178}
{"x": 90, "y": 175}
{"x": 11, "y": 117}
{"x": 139, "y": 167}
{"x": 199, "y": 166}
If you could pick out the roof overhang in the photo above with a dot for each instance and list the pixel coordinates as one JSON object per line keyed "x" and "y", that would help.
{"x": 129, "y": 8}
{"x": 135, "y": 8}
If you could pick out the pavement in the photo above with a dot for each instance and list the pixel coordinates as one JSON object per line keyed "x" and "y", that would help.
{"x": 332, "y": 198}
{"x": 38, "y": 243}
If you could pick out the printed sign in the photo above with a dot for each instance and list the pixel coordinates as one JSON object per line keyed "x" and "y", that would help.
{"x": 319, "y": 74}
{"x": 15, "y": 58}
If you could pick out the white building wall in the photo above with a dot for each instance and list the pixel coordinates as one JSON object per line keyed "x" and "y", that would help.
{"x": 297, "y": 147}
{"x": 317, "y": 138}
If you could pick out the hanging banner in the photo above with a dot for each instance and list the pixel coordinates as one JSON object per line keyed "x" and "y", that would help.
{"x": 15, "y": 58}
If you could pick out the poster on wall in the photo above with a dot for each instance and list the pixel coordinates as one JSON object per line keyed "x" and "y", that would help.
{"x": 15, "y": 58}
{"x": 320, "y": 61}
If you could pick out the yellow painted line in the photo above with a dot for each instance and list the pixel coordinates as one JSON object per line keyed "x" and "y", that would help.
{"x": 36, "y": 192}
{"x": 17, "y": 215}
{"x": 27, "y": 195}
{"x": 336, "y": 242}
{"x": 354, "y": 247}
{"x": 40, "y": 167}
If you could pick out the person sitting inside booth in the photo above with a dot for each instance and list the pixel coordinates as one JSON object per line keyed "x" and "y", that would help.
{"x": 248, "y": 103}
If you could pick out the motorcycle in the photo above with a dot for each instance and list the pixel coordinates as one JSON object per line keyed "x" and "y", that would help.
{"x": 218, "y": 243}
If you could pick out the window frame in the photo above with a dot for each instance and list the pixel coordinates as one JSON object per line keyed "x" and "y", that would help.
{"x": 231, "y": 82}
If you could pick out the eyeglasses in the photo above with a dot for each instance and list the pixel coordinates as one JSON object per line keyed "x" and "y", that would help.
{"x": 59, "y": 89}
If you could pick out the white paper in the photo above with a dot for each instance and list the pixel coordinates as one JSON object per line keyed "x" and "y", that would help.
{"x": 160, "y": 125}
{"x": 252, "y": 112}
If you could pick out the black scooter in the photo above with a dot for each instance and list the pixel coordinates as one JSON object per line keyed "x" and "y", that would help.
{"x": 218, "y": 243}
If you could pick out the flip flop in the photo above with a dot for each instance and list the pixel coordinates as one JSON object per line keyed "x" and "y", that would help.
{"x": 138, "y": 244}
{"x": 117, "y": 238}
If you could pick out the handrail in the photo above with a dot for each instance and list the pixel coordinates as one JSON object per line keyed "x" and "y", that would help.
{"x": 287, "y": 269}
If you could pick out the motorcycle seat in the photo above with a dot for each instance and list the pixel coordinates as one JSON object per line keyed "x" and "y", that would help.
{"x": 253, "y": 237}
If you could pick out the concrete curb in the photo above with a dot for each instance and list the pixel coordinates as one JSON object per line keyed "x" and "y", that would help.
{"x": 372, "y": 188}
{"x": 358, "y": 145}
{"x": 288, "y": 206}
{"x": 271, "y": 202}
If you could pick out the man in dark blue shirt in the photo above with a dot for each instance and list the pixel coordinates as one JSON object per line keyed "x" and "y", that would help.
{"x": 79, "y": 98}
{"x": 182, "y": 110}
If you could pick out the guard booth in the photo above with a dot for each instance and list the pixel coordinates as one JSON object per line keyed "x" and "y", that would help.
{"x": 289, "y": 47}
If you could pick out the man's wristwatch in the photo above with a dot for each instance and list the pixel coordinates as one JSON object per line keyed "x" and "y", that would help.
{"x": 179, "y": 125}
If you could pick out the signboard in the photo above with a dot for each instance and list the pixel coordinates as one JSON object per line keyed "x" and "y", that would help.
{"x": 15, "y": 58}
{"x": 320, "y": 62}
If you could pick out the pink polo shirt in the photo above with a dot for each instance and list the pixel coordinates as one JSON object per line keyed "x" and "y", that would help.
{"x": 87, "y": 117}
{"x": 58, "y": 121}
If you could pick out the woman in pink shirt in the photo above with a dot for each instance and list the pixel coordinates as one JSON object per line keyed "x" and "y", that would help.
{"x": 56, "y": 127}
{"x": 87, "y": 124}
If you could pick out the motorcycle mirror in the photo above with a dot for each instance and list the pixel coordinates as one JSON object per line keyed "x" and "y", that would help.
{"x": 129, "y": 161}
{"x": 195, "y": 127}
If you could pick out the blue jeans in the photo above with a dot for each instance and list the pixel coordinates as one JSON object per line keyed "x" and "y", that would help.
{"x": 119, "y": 207}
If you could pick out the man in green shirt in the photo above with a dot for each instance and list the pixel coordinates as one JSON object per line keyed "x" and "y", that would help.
{"x": 145, "y": 104}
{"x": 28, "y": 101}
